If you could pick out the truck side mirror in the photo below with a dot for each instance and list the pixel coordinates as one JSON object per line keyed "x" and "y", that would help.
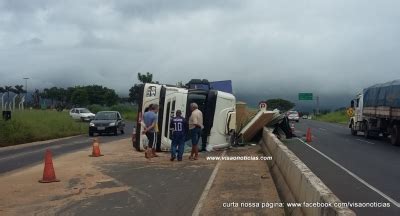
{"x": 352, "y": 104}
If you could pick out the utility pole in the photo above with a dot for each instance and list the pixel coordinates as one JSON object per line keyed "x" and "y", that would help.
{"x": 317, "y": 105}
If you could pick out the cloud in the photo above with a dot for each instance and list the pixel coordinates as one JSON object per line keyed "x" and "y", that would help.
{"x": 267, "y": 48}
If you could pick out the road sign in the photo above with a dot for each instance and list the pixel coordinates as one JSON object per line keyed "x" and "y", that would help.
{"x": 350, "y": 112}
{"x": 305, "y": 96}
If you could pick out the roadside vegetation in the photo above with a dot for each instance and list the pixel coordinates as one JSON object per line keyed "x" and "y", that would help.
{"x": 36, "y": 125}
{"x": 128, "y": 112}
{"x": 334, "y": 117}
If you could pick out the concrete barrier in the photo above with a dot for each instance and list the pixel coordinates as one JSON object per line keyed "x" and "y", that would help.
{"x": 296, "y": 182}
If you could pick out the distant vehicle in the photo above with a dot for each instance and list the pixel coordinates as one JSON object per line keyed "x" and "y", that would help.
{"x": 305, "y": 116}
{"x": 377, "y": 111}
{"x": 293, "y": 116}
{"x": 107, "y": 122}
{"x": 82, "y": 114}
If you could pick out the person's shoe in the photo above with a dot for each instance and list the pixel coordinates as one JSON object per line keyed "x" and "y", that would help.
{"x": 179, "y": 159}
{"x": 191, "y": 158}
{"x": 172, "y": 159}
{"x": 203, "y": 150}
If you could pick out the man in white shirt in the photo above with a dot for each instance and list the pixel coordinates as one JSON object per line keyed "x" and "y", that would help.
{"x": 195, "y": 127}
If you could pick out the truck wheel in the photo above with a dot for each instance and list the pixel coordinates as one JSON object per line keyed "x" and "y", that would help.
{"x": 91, "y": 134}
{"x": 353, "y": 131}
{"x": 367, "y": 133}
{"x": 395, "y": 136}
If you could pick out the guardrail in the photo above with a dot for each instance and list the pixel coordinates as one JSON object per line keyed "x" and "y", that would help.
{"x": 296, "y": 182}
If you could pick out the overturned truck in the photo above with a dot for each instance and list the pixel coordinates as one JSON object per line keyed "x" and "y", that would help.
{"x": 218, "y": 109}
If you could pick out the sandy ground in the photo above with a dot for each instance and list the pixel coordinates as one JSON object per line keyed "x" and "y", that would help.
{"x": 84, "y": 178}
{"x": 244, "y": 183}
{"x": 23, "y": 195}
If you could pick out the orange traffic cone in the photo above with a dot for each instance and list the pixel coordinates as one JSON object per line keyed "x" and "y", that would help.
{"x": 96, "y": 149}
{"x": 48, "y": 173}
{"x": 309, "y": 136}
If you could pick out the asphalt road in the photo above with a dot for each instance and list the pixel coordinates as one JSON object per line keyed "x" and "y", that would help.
{"x": 356, "y": 169}
{"x": 23, "y": 156}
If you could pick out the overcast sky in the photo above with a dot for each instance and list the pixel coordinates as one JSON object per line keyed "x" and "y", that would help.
{"x": 332, "y": 48}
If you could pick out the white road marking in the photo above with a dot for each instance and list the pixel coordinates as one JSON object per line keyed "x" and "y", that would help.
{"x": 323, "y": 129}
{"x": 394, "y": 202}
{"x": 366, "y": 141}
{"x": 203, "y": 197}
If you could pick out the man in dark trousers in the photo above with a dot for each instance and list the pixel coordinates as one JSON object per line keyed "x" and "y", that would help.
{"x": 178, "y": 126}
{"x": 150, "y": 120}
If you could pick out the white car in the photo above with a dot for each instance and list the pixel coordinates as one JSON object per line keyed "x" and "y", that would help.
{"x": 82, "y": 114}
{"x": 293, "y": 116}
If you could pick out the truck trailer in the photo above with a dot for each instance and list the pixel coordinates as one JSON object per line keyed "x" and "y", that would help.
{"x": 377, "y": 112}
{"x": 218, "y": 108}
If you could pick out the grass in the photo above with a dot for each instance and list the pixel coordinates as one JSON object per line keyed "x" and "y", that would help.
{"x": 334, "y": 117}
{"x": 35, "y": 125}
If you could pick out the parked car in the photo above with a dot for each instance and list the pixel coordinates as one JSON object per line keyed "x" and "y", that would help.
{"x": 107, "y": 122}
{"x": 82, "y": 114}
{"x": 293, "y": 116}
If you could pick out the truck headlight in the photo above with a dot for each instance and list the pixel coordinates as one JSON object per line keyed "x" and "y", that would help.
{"x": 91, "y": 124}
{"x": 112, "y": 124}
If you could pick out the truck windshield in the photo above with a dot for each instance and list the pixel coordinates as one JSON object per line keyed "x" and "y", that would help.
{"x": 196, "y": 97}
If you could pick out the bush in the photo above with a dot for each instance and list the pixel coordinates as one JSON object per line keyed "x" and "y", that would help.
{"x": 334, "y": 117}
{"x": 94, "y": 108}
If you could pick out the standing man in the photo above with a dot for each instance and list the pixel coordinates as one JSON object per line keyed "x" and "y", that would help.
{"x": 195, "y": 127}
{"x": 178, "y": 126}
{"x": 150, "y": 120}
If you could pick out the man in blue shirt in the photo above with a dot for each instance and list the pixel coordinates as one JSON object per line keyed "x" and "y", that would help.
{"x": 150, "y": 120}
{"x": 178, "y": 127}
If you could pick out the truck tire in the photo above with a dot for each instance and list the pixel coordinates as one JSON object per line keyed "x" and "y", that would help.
{"x": 367, "y": 132}
{"x": 353, "y": 131}
{"x": 395, "y": 136}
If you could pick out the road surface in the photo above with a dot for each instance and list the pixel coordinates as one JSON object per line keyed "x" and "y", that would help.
{"x": 356, "y": 169}
{"x": 22, "y": 156}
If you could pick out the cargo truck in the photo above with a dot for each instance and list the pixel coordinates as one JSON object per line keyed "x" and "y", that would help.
{"x": 377, "y": 112}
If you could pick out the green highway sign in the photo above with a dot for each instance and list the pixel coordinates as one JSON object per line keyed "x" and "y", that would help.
{"x": 305, "y": 96}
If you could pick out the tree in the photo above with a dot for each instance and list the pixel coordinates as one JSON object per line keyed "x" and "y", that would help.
{"x": 134, "y": 93}
{"x": 280, "y": 104}
{"x": 19, "y": 89}
{"x": 145, "y": 78}
{"x": 8, "y": 89}
{"x": 110, "y": 97}
{"x": 36, "y": 98}
{"x": 80, "y": 97}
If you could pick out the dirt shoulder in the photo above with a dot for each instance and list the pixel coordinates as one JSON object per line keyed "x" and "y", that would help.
{"x": 240, "y": 187}
{"x": 123, "y": 182}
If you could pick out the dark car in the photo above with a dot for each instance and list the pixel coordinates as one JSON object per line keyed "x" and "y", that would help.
{"x": 107, "y": 122}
